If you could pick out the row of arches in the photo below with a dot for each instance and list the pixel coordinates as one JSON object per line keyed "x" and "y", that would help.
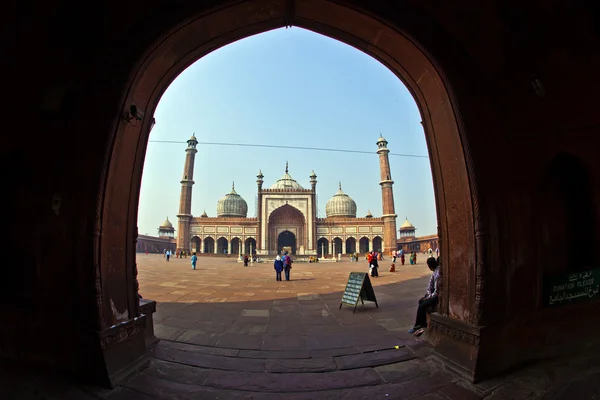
{"x": 349, "y": 246}
{"x": 209, "y": 245}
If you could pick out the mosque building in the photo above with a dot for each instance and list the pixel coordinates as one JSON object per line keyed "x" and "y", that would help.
{"x": 286, "y": 218}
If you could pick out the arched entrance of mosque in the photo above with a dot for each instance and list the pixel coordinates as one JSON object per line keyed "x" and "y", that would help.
{"x": 363, "y": 244}
{"x": 337, "y": 246}
{"x": 455, "y": 179}
{"x": 377, "y": 244}
{"x": 250, "y": 246}
{"x": 209, "y": 245}
{"x": 350, "y": 245}
{"x": 286, "y": 241}
{"x": 235, "y": 245}
{"x": 322, "y": 247}
{"x": 222, "y": 245}
{"x": 288, "y": 219}
{"x": 195, "y": 244}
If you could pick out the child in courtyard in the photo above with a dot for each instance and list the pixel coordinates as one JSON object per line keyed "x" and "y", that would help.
{"x": 194, "y": 259}
{"x": 278, "y": 265}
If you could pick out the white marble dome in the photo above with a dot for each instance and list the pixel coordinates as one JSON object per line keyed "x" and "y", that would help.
{"x": 286, "y": 182}
{"x": 341, "y": 205}
{"x": 232, "y": 205}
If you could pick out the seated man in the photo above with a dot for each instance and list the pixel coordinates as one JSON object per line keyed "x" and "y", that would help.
{"x": 430, "y": 299}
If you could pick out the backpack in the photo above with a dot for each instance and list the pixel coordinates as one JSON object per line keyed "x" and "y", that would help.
{"x": 287, "y": 261}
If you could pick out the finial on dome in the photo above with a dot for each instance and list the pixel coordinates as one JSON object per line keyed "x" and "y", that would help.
{"x": 233, "y": 186}
{"x": 286, "y": 167}
{"x": 340, "y": 185}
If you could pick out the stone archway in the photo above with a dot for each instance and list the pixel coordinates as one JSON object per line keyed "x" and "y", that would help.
{"x": 222, "y": 244}
{"x": 337, "y": 246}
{"x": 250, "y": 246}
{"x": 455, "y": 180}
{"x": 350, "y": 245}
{"x": 209, "y": 245}
{"x": 195, "y": 244}
{"x": 322, "y": 247}
{"x": 363, "y": 245}
{"x": 235, "y": 245}
{"x": 377, "y": 244}
{"x": 286, "y": 219}
{"x": 286, "y": 241}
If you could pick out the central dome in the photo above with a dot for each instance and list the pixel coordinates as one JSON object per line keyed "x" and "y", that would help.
{"x": 232, "y": 205}
{"x": 286, "y": 182}
{"x": 341, "y": 205}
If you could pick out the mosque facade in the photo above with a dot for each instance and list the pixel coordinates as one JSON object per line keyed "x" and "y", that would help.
{"x": 286, "y": 218}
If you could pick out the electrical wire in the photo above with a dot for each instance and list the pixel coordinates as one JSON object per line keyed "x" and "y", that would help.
{"x": 273, "y": 146}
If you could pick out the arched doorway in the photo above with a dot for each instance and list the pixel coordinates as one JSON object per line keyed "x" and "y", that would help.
{"x": 337, "y": 246}
{"x": 455, "y": 179}
{"x": 377, "y": 244}
{"x": 286, "y": 241}
{"x": 350, "y": 245}
{"x": 286, "y": 218}
{"x": 363, "y": 245}
{"x": 209, "y": 245}
{"x": 222, "y": 245}
{"x": 322, "y": 247}
{"x": 235, "y": 246}
{"x": 195, "y": 244}
{"x": 250, "y": 246}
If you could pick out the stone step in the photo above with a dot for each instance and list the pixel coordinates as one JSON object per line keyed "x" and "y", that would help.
{"x": 166, "y": 380}
{"x": 323, "y": 361}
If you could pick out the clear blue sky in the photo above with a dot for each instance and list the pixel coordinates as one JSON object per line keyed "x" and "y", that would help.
{"x": 295, "y": 88}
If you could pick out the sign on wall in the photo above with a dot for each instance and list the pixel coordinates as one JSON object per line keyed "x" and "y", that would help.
{"x": 570, "y": 288}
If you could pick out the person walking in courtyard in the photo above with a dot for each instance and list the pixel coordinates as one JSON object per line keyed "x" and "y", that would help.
{"x": 429, "y": 300}
{"x": 373, "y": 264}
{"x": 278, "y": 265}
{"x": 402, "y": 257}
{"x": 287, "y": 265}
{"x": 168, "y": 254}
{"x": 394, "y": 255}
{"x": 245, "y": 261}
{"x": 194, "y": 259}
{"x": 415, "y": 258}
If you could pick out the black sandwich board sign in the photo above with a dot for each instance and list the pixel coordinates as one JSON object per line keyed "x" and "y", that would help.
{"x": 358, "y": 286}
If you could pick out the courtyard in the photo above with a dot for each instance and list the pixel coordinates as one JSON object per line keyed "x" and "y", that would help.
{"x": 224, "y": 304}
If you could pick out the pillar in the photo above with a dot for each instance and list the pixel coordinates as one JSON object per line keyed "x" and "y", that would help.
{"x": 216, "y": 248}
{"x": 240, "y": 252}
{"x": 370, "y": 244}
{"x": 185, "y": 199}
{"x": 387, "y": 198}
{"x": 322, "y": 249}
{"x": 330, "y": 247}
{"x": 229, "y": 247}
{"x": 201, "y": 245}
{"x": 343, "y": 246}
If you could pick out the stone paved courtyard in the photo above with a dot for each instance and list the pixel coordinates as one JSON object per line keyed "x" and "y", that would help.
{"x": 224, "y": 304}
{"x": 229, "y": 332}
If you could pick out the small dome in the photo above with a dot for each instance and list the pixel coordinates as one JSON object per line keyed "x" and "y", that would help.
{"x": 407, "y": 225}
{"x": 369, "y": 215}
{"x": 340, "y": 205}
{"x": 193, "y": 138}
{"x": 232, "y": 205}
{"x": 286, "y": 182}
{"x": 167, "y": 224}
{"x": 204, "y": 215}
{"x": 381, "y": 139}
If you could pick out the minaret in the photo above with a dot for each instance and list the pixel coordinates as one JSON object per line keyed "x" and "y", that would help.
{"x": 387, "y": 197}
{"x": 185, "y": 200}
{"x": 259, "y": 183}
{"x": 313, "y": 186}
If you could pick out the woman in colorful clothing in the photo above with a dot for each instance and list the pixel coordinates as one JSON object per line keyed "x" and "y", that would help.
{"x": 429, "y": 300}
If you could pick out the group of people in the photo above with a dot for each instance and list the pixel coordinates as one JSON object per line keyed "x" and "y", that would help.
{"x": 372, "y": 257}
{"x": 284, "y": 264}
{"x": 178, "y": 254}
